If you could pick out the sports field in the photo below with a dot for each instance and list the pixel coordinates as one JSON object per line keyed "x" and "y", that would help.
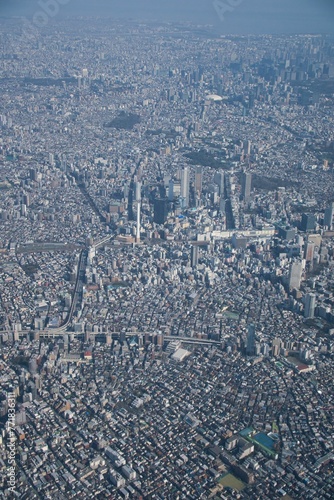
{"x": 232, "y": 482}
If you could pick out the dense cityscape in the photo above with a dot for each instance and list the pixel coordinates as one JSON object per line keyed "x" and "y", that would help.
{"x": 167, "y": 262}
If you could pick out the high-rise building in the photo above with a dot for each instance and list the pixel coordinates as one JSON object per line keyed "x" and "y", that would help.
{"x": 309, "y": 305}
{"x": 309, "y": 251}
{"x": 246, "y": 185}
{"x": 328, "y": 217}
{"x": 26, "y": 199}
{"x": 295, "y": 275}
{"x": 184, "y": 195}
{"x": 307, "y": 223}
{"x": 23, "y": 209}
{"x": 194, "y": 255}
{"x": 276, "y": 344}
{"x": 219, "y": 179}
{"x": 286, "y": 232}
{"x": 32, "y": 174}
{"x": 265, "y": 349}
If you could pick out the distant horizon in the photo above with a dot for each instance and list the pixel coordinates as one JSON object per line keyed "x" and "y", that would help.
{"x": 149, "y": 20}
{"x": 210, "y": 26}
{"x": 238, "y": 17}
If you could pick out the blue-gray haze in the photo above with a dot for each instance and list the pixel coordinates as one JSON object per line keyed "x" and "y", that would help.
{"x": 227, "y": 16}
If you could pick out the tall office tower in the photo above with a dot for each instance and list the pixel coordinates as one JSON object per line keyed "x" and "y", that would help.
{"x": 219, "y": 180}
{"x": 250, "y": 346}
{"x": 276, "y": 345}
{"x": 307, "y": 223}
{"x": 246, "y": 185}
{"x": 194, "y": 255}
{"x": 309, "y": 305}
{"x": 309, "y": 251}
{"x": 184, "y": 195}
{"x": 198, "y": 180}
{"x": 23, "y": 209}
{"x": 32, "y": 174}
{"x": 295, "y": 275}
{"x": 160, "y": 211}
{"x": 26, "y": 199}
{"x": 328, "y": 218}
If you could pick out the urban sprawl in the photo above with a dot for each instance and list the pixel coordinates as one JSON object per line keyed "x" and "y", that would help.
{"x": 167, "y": 263}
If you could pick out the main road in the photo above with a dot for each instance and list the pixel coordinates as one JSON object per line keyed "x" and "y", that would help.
{"x": 76, "y": 297}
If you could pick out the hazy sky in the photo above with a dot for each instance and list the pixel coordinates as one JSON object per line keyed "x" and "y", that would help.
{"x": 229, "y": 16}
